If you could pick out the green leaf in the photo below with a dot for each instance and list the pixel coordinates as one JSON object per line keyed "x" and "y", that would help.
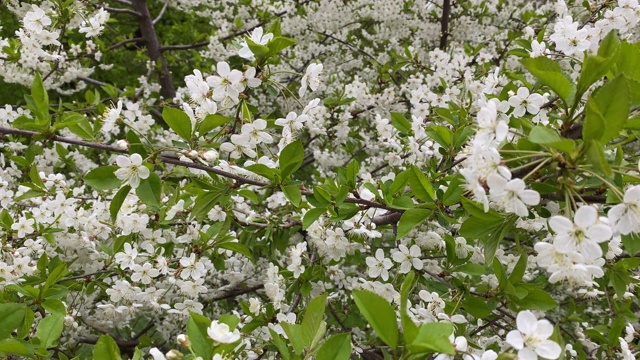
{"x": 400, "y": 122}
{"x": 211, "y": 122}
{"x": 311, "y": 216}
{"x": 550, "y": 73}
{"x": 336, "y": 347}
{"x": 263, "y": 170}
{"x": 607, "y": 111}
{"x": 292, "y": 192}
{"x": 311, "y": 324}
{"x": 83, "y": 129}
{"x": 546, "y": 136}
{"x": 291, "y": 158}
{"x": 117, "y": 201}
{"x": 519, "y": 269}
{"x": 409, "y": 328}
{"x": 280, "y": 344}
{"x": 11, "y": 316}
{"x": 237, "y": 247}
{"x": 150, "y": 190}
{"x": 67, "y": 120}
{"x": 380, "y": 315}
{"x": 536, "y": 299}
{"x": 197, "y": 331}
{"x": 278, "y": 44}
{"x": 594, "y": 67}
{"x": 476, "y": 306}
{"x": 420, "y": 185}
{"x": 106, "y": 349}
{"x": 410, "y": 219}
{"x": 39, "y": 94}
{"x": 492, "y": 242}
{"x": 103, "y": 178}
{"x": 260, "y": 51}
{"x": 631, "y": 243}
{"x": 178, "y": 121}
{"x": 432, "y": 338}
{"x": 15, "y": 346}
{"x": 49, "y": 329}
{"x": 295, "y": 333}
{"x": 595, "y": 156}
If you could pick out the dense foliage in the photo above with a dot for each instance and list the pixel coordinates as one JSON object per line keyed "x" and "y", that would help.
{"x": 377, "y": 179}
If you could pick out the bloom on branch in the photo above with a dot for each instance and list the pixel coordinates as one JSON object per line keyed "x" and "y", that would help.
{"x": 532, "y": 338}
{"x": 221, "y": 333}
{"x": 131, "y": 169}
{"x": 311, "y": 78}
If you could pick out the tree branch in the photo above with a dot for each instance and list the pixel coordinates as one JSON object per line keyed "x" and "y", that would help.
{"x": 120, "y": 11}
{"x": 185, "y": 47}
{"x": 148, "y": 32}
{"x": 164, "y": 8}
{"x": 124, "y": 42}
{"x": 444, "y": 24}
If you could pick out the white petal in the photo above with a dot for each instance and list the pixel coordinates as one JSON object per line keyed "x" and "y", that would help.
{"x": 514, "y": 338}
{"x": 548, "y": 349}
{"x": 527, "y": 322}
{"x": 560, "y": 224}
{"x": 136, "y": 159}
{"x": 123, "y": 161}
{"x": 599, "y": 233}
{"x": 585, "y": 216}
{"x": 544, "y": 330}
{"x": 143, "y": 172}
{"x": 527, "y": 354}
{"x": 530, "y": 197}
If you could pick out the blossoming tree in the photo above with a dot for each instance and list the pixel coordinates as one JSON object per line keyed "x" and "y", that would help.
{"x": 377, "y": 179}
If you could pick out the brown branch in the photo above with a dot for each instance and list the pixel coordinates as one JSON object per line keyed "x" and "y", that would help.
{"x": 148, "y": 32}
{"x": 85, "y": 276}
{"x": 185, "y": 47}
{"x": 119, "y": 10}
{"x": 176, "y": 161}
{"x": 124, "y": 42}
{"x": 237, "y": 292}
{"x": 444, "y": 24}
{"x": 164, "y": 8}
{"x": 387, "y": 218}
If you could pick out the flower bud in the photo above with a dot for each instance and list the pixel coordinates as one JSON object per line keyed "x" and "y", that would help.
{"x": 122, "y": 144}
{"x": 210, "y": 156}
{"x": 183, "y": 340}
{"x": 191, "y": 154}
{"x": 174, "y": 354}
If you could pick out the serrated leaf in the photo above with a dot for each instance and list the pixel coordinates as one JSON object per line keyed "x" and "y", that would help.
{"x": 336, "y": 347}
{"x": 150, "y": 190}
{"x": 211, "y": 122}
{"x": 291, "y": 158}
{"x": 106, "y": 349}
{"x": 103, "y": 178}
{"x": 550, "y": 73}
{"x": 292, "y": 192}
{"x": 380, "y": 315}
{"x": 400, "y": 122}
{"x": 607, "y": 111}
{"x": 410, "y": 219}
{"x": 178, "y": 121}
{"x": 117, "y": 201}
{"x": 311, "y": 216}
{"x": 49, "y": 329}
{"x": 11, "y": 316}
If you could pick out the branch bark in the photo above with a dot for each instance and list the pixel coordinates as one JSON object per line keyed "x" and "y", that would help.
{"x": 444, "y": 24}
{"x": 148, "y": 32}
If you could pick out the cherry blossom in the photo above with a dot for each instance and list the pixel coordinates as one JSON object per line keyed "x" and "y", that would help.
{"x": 131, "y": 169}
{"x": 531, "y": 338}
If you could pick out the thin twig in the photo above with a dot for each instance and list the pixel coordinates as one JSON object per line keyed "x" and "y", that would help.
{"x": 164, "y": 8}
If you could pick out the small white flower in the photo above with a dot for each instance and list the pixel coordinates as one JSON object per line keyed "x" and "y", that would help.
{"x": 408, "y": 258}
{"x": 131, "y": 169}
{"x": 379, "y": 265}
{"x": 258, "y": 37}
{"x": 524, "y": 102}
{"x": 512, "y": 195}
{"x": 532, "y": 338}
{"x": 582, "y": 235}
{"x": 220, "y": 332}
{"x": 312, "y": 77}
